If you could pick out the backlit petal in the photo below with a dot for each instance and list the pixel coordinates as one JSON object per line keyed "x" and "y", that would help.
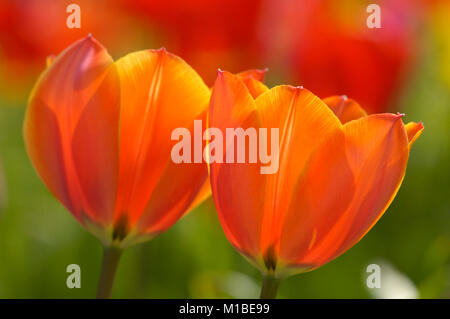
{"x": 303, "y": 121}
{"x": 344, "y": 108}
{"x": 238, "y": 188}
{"x": 44, "y": 146}
{"x": 322, "y": 194}
{"x": 364, "y": 164}
{"x": 175, "y": 192}
{"x": 49, "y": 60}
{"x": 413, "y": 130}
{"x": 95, "y": 148}
{"x": 71, "y": 130}
{"x": 256, "y": 74}
{"x": 159, "y": 92}
{"x": 253, "y": 79}
{"x": 203, "y": 194}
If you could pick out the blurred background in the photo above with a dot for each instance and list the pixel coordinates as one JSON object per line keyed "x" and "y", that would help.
{"x": 324, "y": 45}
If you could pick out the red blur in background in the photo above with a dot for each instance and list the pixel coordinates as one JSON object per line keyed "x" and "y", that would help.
{"x": 324, "y": 45}
{"x": 329, "y": 48}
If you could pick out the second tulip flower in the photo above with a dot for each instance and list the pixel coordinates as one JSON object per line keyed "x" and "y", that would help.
{"x": 339, "y": 170}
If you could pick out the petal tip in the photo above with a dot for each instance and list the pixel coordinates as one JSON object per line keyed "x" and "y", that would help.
{"x": 162, "y": 50}
{"x": 399, "y": 115}
{"x": 262, "y": 72}
{"x": 90, "y": 40}
{"x": 221, "y": 73}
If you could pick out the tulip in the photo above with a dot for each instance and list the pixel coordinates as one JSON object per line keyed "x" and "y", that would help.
{"x": 339, "y": 169}
{"x": 98, "y": 134}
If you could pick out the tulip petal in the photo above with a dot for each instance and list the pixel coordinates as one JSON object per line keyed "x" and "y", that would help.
{"x": 65, "y": 111}
{"x": 49, "y": 60}
{"x": 202, "y": 195}
{"x": 370, "y": 173}
{"x": 95, "y": 149}
{"x": 256, "y": 74}
{"x": 170, "y": 200}
{"x": 344, "y": 108}
{"x": 255, "y": 87}
{"x": 413, "y": 130}
{"x": 322, "y": 194}
{"x": 303, "y": 121}
{"x": 253, "y": 79}
{"x": 174, "y": 194}
{"x": 44, "y": 147}
{"x": 238, "y": 188}
{"x": 231, "y": 102}
{"x": 159, "y": 93}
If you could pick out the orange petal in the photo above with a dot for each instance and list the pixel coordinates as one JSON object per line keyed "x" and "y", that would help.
{"x": 231, "y": 102}
{"x": 413, "y": 130}
{"x": 238, "y": 188}
{"x": 362, "y": 182}
{"x": 345, "y": 109}
{"x": 49, "y": 60}
{"x": 321, "y": 195}
{"x": 44, "y": 146}
{"x": 95, "y": 148}
{"x": 173, "y": 196}
{"x": 256, "y": 74}
{"x": 203, "y": 194}
{"x": 255, "y": 87}
{"x": 175, "y": 192}
{"x": 159, "y": 92}
{"x": 303, "y": 121}
{"x": 74, "y": 97}
{"x": 253, "y": 79}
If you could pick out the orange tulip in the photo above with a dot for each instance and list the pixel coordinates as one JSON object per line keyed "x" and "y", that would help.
{"x": 339, "y": 170}
{"x": 115, "y": 176}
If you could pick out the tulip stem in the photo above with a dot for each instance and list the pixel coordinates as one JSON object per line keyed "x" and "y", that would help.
{"x": 269, "y": 288}
{"x": 111, "y": 256}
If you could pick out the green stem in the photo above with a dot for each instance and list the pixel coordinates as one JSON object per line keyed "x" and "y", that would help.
{"x": 111, "y": 256}
{"x": 269, "y": 288}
